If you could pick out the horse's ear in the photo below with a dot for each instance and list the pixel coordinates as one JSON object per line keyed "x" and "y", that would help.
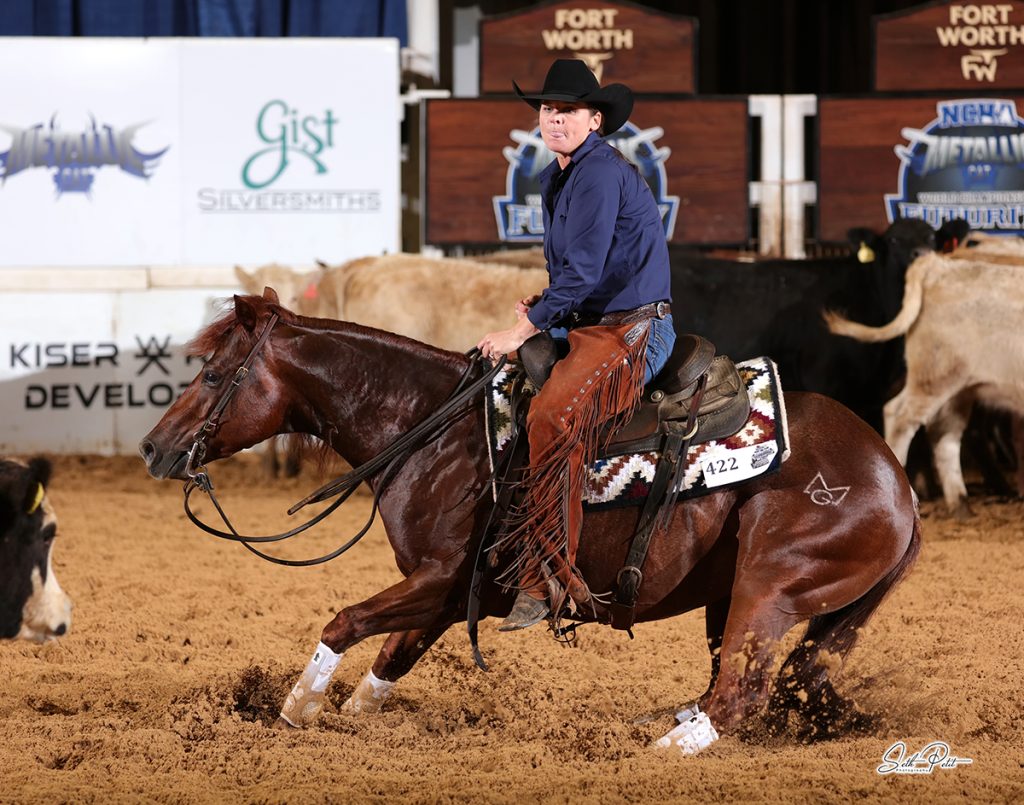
{"x": 271, "y": 295}
{"x": 245, "y": 312}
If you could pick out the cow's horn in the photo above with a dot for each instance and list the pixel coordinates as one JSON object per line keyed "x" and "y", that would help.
{"x": 37, "y": 500}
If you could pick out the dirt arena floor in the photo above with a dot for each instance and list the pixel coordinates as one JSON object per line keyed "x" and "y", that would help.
{"x": 183, "y": 647}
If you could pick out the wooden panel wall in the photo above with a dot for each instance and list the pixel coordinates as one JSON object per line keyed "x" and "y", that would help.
{"x": 951, "y": 46}
{"x": 857, "y": 163}
{"x": 650, "y": 51}
{"x": 707, "y": 168}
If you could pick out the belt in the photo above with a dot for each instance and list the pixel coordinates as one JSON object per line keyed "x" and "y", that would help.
{"x": 654, "y": 310}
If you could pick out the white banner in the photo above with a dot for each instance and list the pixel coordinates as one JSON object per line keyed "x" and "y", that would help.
{"x": 124, "y": 152}
{"x": 295, "y": 156}
{"x": 93, "y": 372}
{"x": 89, "y": 152}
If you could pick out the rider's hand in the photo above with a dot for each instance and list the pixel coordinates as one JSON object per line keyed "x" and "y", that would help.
{"x": 503, "y": 342}
{"x": 523, "y": 305}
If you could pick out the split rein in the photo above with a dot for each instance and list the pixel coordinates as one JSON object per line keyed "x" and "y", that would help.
{"x": 390, "y": 459}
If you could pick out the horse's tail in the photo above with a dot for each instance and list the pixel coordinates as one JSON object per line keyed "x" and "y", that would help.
{"x": 913, "y": 294}
{"x": 836, "y": 632}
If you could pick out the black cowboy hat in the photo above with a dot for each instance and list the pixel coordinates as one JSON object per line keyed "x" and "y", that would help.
{"x": 571, "y": 80}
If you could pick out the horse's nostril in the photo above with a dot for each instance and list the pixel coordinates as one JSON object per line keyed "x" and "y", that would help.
{"x": 147, "y": 451}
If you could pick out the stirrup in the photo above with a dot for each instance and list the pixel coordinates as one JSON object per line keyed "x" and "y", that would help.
{"x": 526, "y": 611}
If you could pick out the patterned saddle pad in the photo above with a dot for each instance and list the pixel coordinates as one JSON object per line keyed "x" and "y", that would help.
{"x": 758, "y": 448}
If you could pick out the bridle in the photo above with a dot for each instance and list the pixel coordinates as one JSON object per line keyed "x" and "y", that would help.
{"x": 390, "y": 459}
{"x": 193, "y": 468}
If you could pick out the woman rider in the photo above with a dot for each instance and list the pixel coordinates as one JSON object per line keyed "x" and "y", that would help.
{"x": 608, "y": 270}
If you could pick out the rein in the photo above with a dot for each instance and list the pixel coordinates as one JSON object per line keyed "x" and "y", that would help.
{"x": 390, "y": 460}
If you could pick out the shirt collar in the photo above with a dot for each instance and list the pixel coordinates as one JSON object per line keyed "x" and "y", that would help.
{"x": 593, "y": 140}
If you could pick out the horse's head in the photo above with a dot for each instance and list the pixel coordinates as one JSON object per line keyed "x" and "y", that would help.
{"x": 234, "y": 402}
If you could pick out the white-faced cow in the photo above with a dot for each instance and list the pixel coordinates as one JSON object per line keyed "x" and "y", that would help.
{"x": 961, "y": 320}
{"x": 32, "y": 603}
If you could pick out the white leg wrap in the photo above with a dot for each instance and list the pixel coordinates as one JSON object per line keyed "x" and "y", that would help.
{"x": 307, "y": 697}
{"x": 369, "y": 695}
{"x": 690, "y": 736}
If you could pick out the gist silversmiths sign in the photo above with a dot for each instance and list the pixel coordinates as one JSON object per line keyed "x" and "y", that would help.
{"x": 651, "y": 51}
{"x": 298, "y": 160}
{"x": 951, "y": 46}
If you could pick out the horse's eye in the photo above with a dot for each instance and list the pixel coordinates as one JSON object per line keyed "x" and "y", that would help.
{"x": 211, "y": 378}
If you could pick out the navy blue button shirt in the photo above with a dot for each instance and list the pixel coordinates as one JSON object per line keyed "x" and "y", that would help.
{"x": 603, "y": 237}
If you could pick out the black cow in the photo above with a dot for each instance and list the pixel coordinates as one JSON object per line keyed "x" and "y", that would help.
{"x": 32, "y": 603}
{"x": 773, "y": 307}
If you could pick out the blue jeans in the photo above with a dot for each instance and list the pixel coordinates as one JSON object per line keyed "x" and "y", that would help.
{"x": 659, "y": 346}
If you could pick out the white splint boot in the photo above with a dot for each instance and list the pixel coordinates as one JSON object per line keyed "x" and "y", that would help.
{"x": 694, "y": 733}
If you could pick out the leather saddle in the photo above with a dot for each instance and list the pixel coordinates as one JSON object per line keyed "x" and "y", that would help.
{"x": 723, "y": 404}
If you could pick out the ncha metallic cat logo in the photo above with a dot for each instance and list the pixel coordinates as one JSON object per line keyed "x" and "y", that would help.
{"x": 519, "y": 214}
{"x": 966, "y": 163}
{"x": 75, "y": 157}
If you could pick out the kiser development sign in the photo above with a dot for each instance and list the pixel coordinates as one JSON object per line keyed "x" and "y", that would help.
{"x": 966, "y": 163}
{"x": 92, "y": 372}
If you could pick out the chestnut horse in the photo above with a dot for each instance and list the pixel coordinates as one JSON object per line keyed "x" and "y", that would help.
{"x": 823, "y": 539}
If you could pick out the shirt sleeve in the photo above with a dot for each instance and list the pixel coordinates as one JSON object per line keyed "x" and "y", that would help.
{"x": 588, "y": 230}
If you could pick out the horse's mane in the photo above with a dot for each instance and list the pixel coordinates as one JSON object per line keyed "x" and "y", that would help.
{"x": 216, "y": 331}
{"x": 213, "y": 335}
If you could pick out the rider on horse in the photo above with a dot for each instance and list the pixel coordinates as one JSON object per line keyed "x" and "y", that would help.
{"x": 608, "y": 297}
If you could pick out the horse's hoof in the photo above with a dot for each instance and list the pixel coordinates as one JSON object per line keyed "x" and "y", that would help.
{"x": 281, "y": 724}
{"x": 361, "y": 706}
{"x": 961, "y": 511}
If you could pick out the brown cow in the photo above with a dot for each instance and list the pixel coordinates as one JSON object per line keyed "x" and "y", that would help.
{"x": 523, "y": 258}
{"x": 962, "y": 322}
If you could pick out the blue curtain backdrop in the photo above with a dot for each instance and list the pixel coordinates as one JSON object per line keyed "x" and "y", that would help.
{"x": 205, "y": 18}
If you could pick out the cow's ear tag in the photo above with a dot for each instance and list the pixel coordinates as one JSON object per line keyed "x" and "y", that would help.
{"x": 37, "y": 500}
{"x": 310, "y": 292}
{"x": 865, "y": 253}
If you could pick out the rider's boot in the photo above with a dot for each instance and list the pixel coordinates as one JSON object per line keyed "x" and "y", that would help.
{"x": 526, "y": 611}
{"x": 532, "y": 605}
